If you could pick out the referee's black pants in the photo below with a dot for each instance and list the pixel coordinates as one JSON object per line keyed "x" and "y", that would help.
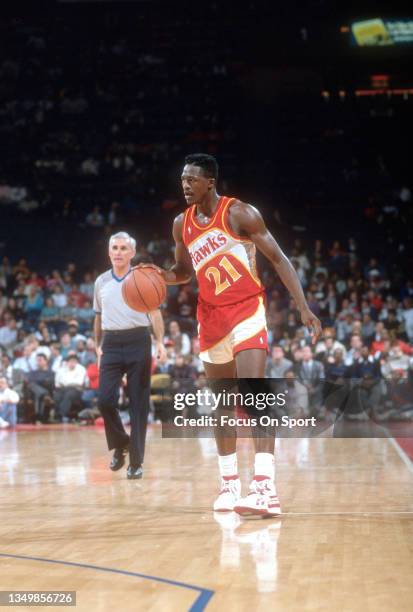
{"x": 126, "y": 352}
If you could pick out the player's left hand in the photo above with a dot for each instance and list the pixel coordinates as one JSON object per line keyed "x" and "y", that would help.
{"x": 160, "y": 351}
{"x": 312, "y": 323}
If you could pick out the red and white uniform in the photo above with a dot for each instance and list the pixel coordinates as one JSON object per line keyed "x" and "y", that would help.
{"x": 230, "y": 313}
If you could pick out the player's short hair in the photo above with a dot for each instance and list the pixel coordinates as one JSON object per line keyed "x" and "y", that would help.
{"x": 207, "y": 163}
{"x": 123, "y": 236}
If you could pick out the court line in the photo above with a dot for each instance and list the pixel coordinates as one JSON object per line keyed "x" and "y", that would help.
{"x": 402, "y": 454}
{"x": 349, "y": 513}
{"x": 199, "y": 604}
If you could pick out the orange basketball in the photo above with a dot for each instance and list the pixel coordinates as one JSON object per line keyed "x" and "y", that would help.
{"x": 144, "y": 289}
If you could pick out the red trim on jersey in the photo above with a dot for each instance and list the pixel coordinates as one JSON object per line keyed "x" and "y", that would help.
{"x": 208, "y": 226}
{"x": 226, "y": 225}
{"x": 184, "y": 224}
{"x": 259, "y": 341}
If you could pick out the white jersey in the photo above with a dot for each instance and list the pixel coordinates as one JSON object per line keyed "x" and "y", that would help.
{"x": 109, "y": 303}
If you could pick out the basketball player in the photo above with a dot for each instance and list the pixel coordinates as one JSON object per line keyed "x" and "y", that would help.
{"x": 217, "y": 236}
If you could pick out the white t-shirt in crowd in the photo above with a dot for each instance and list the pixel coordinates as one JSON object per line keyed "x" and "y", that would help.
{"x": 9, "y": 396}
{"x": 66, "y": 377}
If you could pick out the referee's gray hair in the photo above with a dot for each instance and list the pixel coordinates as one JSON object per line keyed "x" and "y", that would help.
{"x": 123, "y": 236}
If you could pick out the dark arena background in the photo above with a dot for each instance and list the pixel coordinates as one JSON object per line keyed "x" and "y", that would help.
{"x": 307, "y": 107}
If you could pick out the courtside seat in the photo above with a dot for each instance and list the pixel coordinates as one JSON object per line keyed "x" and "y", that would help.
{"x": 161, "y": 395}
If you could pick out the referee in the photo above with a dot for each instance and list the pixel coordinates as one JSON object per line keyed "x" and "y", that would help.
{"x": 123, "y": 346}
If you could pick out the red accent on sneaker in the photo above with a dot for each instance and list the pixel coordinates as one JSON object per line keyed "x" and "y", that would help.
{"x": 235, "y": 477}
{"x": 261, "y": 478}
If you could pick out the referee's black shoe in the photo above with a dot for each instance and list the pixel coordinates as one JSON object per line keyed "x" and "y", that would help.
{"x": 134, "y": 472}
{"x": 118, "y": 459}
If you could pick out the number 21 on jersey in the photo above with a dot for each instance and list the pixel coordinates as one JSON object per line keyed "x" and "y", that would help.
{"x": 214, "y": 274}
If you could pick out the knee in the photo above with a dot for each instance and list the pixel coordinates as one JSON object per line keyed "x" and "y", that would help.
{"x": 107, "y": 404}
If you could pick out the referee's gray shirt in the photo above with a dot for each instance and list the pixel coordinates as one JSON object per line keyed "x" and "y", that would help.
{"x": 109, "y": 303}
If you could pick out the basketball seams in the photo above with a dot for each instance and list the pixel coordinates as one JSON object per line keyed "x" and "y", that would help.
{"x": 145, "y": 293}
{"x": 149, "y": 277}
{"x": 138, "y": 290}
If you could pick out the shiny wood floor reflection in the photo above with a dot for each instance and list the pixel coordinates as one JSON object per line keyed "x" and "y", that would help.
{"x": 345, "y": 541}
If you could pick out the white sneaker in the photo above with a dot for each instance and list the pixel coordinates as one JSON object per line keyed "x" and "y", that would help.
{"x": 4, "y": 424}
{"x": 262, "y": 500}
{"x": 229, "y": 495}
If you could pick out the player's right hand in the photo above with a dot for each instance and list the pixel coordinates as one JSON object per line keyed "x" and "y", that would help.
{"x": 312, "y": 323}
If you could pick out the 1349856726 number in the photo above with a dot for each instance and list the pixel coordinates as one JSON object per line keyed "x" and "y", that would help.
{"x": 39, "y": 598}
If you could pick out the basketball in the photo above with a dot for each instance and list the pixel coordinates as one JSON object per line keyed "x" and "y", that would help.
{"x": 144, "y": 289}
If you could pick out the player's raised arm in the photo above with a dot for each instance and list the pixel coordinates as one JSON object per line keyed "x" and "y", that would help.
{"x": 246, "y": 220}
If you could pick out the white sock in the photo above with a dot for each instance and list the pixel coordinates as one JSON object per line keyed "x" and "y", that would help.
{"x": 264, "y": 465}
{"x": 228, "y": 465}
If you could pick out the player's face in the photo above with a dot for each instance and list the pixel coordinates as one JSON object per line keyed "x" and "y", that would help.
{"x": 120, "y": 253}
{"x": 195, "y": 185}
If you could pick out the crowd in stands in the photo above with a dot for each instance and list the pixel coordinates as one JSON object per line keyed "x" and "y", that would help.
{"x": 48, "y": 369}
{"x": 93, "y": 136}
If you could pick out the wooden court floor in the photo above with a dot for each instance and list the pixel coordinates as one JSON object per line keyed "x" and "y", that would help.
{"x": 344, "y": 543}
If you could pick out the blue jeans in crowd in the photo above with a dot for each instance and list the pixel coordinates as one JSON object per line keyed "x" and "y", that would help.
{"x": 8, "y": 412}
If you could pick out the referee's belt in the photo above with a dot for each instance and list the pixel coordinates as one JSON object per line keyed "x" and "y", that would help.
{"x": 118, "y": 332}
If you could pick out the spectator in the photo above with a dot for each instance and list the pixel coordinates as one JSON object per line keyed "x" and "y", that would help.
{"x": 327, "y": 347}
{"x": 290, "y": 328}
{"x": 70, "y": 384}
{"x": 392, "y": 323}
{"x": 381, "y": 336}
{"x": 8, "y": 404}
{"x": 311, "y": 374}
{"x": 8, "y": 334}
{"x": 67, "y": 344}
{"x": 6, "y": 368}
{"x": 196, "y": 362}
{"x": 43, "y": 334}
{"x": 183, "y": 376}
{"x": 85, "y": 316}
{"x": 59, "y": 297}
{"x": 355, "y": 349}
{"x": 14, "y": 310}
{"x": 367, "y": 328}
{"x": 70, "y": 311}
{"x": 88, "y": 355}
{"x": 365, "y": 373}
{"x": 344, "y": 326}
{"x": 398, "y": 402}
{"x": 40, "y": 387}
{"x": 277, "y": 364}
{"x": 26, "y": 362}
{"x": 73, "y": 331}
{"x": 337, "y": 382}
{"x": 396, "y": 360}
{"x": 76, "y": 297}
{"x": 87, "y": 286}
{"x": 49, "y": 312}
{"x": 179, "y": 340}
{"x": 90, "y": 393}
{"x": 56, "y": 357}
